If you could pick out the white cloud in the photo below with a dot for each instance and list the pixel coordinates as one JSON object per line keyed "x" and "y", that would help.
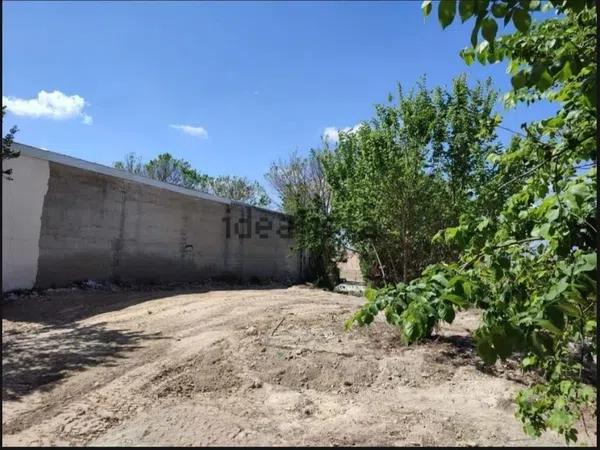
{"x": 87, "y": 119}
{"x": 332, "y": 134}
{"x": 191, "y": 130}
{"x": 52, "y": 105}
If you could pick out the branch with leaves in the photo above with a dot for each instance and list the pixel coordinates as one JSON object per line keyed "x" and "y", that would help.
{"x": 531, "y": 266}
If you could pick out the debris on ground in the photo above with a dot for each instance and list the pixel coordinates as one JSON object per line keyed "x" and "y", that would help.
{"x": 355, "y": 289}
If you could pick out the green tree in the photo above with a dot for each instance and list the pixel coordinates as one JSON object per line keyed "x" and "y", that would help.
{"x": 179, "y": 172}
{"x": 7, "y": 151}
{"x": 305, "y": 194}
{"x": 412, "y": 171}
{"x": 164, "y": 168}
{"x": 131, "y": 163}
{"x": 531, "y": 266}
{"x": 171, "y": 170}
{"x": 240, "y": 189}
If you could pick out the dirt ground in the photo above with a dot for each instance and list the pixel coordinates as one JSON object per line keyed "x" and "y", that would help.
{"x": 258, "y": 366}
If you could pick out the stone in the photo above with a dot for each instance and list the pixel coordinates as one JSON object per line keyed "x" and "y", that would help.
{"x": 255, "y": 384}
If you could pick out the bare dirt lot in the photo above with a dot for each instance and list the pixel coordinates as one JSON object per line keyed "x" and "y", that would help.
{"x": 259, "y": 366}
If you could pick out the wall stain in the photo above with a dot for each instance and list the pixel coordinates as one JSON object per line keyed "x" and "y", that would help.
{"x": 117, "y": 246}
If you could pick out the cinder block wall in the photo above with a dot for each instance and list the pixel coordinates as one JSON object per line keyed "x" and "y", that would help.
{"x": 66, "y": 220}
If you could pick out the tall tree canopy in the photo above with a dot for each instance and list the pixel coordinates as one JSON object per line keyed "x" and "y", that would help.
{"x": 411, "y": 171}
{"x": 306, "y": 195}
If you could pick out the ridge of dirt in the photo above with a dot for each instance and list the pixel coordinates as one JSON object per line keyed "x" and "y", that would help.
{"x": 262, "y": 366}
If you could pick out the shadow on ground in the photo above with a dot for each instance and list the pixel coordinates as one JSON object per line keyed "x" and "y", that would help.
{"x": 34, "y": 361}
{"x": 57, "y": 345}
{"x": 460, "y": 351}
{"x": 63, "y": 306}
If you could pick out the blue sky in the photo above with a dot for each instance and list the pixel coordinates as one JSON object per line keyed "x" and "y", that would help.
{"x": 228, "y": 86}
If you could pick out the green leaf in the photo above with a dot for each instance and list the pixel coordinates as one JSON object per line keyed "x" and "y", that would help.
{"x": 446, "y": 312}
{"x": 536, "y": 73}
{"x": 392, "y": 318}
{"x": 482, "y": 51}
{"x": 446, "y": 12}
{"x": 426, "y": 7}
{"x": 579, "y": 192}
{"x": 557, "y": 289}
{"x": 560, "y": 419}
{"x": 440, "y": 279}
{"x": 499, "y": 9}
{"x": 546, "y": 324}
{"x": 409, "y": 329}
{"x": 566, "y": 72}
{"x": 529, "y": 362}
{"x": 451, "y": 233}
{"x": 554, "y": 123}
{"x": 542, "y": 231}
{"x": 467, "y": 55}
{"x": 373, "y": 310}
{"x": 591, "y": 94}
{"x": 587, "y": 393}
{"x": 589, "y": 262}
{"x": 518, "y": 81}
{"x": 513, "y": 67}
{"x": 569, "y": 308}
{"x": 544, "y": 82}
{"x": 521, "y": 19}
{"x": 359, "y": 317}
{"x": 565, "y": 387}
{"x": 483, "y": 224}
{"x": 553, "y": 214}
{"x": 459, "y": 301}
{"x": 466, "y": 8}
{"x": 370, "y": 294}
{"x": 467, "y": 289}
{"x": 590, "y": 326}
{"x": 481, "y": 6}
{"x": 489, "y": 28}
{"x": 531, "y": 430}
{"x": 571, "y": 435}
{"x": 534, "y": 4}
{"x": 348, "y": 323}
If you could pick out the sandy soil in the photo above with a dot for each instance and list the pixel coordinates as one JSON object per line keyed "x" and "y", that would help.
{"x": 261, "y": 366}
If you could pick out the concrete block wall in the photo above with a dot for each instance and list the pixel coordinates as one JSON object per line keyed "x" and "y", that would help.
{"x": 67, "y": 220}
